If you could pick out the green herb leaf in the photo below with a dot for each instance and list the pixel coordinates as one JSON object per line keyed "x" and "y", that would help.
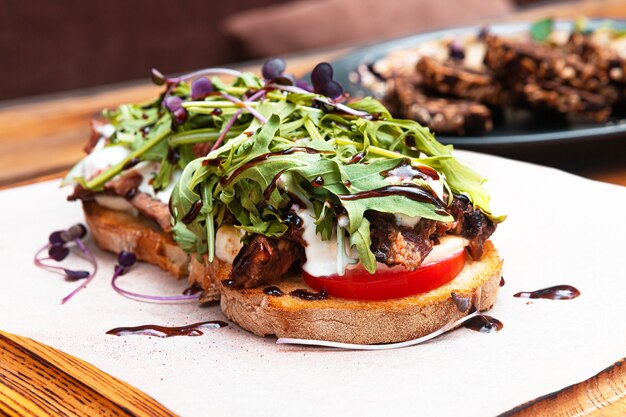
{"x": 541, "y": 29}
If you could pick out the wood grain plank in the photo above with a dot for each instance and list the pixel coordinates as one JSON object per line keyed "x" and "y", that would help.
{"x": 599, "y": 396}
{"x": 38, "y": 380}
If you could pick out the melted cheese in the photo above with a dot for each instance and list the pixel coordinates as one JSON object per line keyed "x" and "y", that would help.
{"x": 448, "y": 246}
{"x": 227, "y": 243}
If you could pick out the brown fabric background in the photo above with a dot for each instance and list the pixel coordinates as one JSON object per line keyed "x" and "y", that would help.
{"x": 48, "y": 46}
{"x": 53, "y": 45}
{"x": 310, "y": 24}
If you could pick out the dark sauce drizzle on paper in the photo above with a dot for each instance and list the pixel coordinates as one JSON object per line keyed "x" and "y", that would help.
{"x": 480, "y": 323}
{"x": 558, "y": 292}
{"x": 165, "y": 331}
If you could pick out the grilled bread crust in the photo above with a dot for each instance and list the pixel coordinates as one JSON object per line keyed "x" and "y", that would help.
{"x": 115, "y": 231}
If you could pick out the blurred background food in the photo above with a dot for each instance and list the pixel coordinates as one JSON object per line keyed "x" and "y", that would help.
{"x": 43, "y": 43}
{"x": 62, "y": 62}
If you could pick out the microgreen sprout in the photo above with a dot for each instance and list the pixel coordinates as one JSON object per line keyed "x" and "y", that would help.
{"x": 125, "y": 260}
{"x": 57, "y": 249}
{"x": 256, "y": 96}
{"x": 273, "y": 71}
{"x": 456, "y": 51}
{"x": 323, "y": 83}
{"x": 159, "y": 79}
{"x": 201, "y": 88}
{"x": 58, "y": 252}
{"x": 246, "y": 106}
{"x": 273, "y": 68}
{"x": 462, "y": 304}
{"x": 175, "y": 105}
{"x": 303, "y": 84}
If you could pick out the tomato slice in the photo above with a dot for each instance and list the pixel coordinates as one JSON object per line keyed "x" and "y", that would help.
{"x": 387, "y": 283}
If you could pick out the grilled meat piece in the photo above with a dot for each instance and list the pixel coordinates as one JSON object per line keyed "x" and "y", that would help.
{"x": 507, "y": 56}
{"x": 393, "y": 244}
{"x": 451, "y": 78}
{"x": 398, "y": 245}
{"x": 470, "y": 223}
{"x": 441, "y": 115}
{"x": 125, "y": 185}
{"x": 263, "y": 261}
{"x": 95, "y": 136}
{"x": 546, "y": 94}
{"x": 152, "y": 209}
{"x": 602, "y": 57}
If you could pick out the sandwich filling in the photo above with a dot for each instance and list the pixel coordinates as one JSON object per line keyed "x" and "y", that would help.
{"x": 276, "y": 179}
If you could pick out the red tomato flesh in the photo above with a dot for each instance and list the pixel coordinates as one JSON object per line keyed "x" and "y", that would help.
{"x": 387, "y": 283}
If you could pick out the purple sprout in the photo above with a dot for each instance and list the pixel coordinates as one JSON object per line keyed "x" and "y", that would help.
{"x": 256, "y": 96}
{"x": 125, "y": 261}
{"x": 201, "y": 88}
{"x": 323, "y": 83}
{"x": 245, "y": 104}
{"x": 157, "y": 77}
{"x": 456, "y": 51}
{"x": 55, "y": 237}
{"x": 175, "y": 105}
{"x": 273, "y": 71}
{"x": 76, "y": 274}
{"x": 273, "y": 68}
{"x": 57, "y": 251}
{"x": 304, "y": 84}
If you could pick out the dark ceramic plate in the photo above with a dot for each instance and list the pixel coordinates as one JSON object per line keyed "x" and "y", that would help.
{"x": 521, "y": 128}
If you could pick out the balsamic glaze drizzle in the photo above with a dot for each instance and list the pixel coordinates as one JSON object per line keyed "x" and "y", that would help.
{"x": 165, "y": 331}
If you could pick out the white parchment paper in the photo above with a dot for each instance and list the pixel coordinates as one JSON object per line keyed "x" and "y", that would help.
{"x": 561, "y": 229}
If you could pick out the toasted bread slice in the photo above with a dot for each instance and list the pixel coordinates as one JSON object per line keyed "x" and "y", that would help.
{"x": 115, "y": 231}
{"x": 209, "y": 276}
{"x": 364, "y": 322}
{"x": 332, "y": 319}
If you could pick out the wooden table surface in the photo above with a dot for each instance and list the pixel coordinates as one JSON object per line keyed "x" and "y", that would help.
{"x": 42, "y": 137}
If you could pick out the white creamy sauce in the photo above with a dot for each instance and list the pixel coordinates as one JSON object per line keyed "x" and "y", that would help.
{"x": 147, "y": 170}
{"x": 98, "y": 161}
{"x": 165, "y": 194}
{"x": 106, "y": 130}
{"x": 407, "y": 221}
{"x": 115, "y": 203}
{"x": 227, "y": 243}
{"x": 321, "y": 254}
